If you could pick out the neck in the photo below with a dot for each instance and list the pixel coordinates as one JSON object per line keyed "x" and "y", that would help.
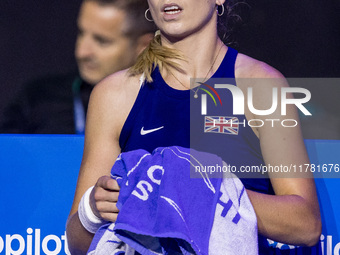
{"x": 202, "y": 50}
{"x": 202, "y": 58}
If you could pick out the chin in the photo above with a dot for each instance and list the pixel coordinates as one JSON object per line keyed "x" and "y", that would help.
{"x": 89, "y": 79}
{"x": 177, "y": 32}
{"x": 89, "y": 75}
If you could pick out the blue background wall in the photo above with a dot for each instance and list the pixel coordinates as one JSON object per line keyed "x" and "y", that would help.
{"x": 38, "y": 174}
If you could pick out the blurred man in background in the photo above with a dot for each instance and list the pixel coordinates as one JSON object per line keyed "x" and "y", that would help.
{"x": 111, "y": 35}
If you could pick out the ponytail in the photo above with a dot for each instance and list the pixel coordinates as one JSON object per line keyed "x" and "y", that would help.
{"x": 155, "y": 55}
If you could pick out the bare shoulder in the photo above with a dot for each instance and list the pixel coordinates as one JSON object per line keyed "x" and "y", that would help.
{"x": 262, "y": 81}
{"x": 111, "y": 101}
{"x": 250, "y": 72}
{"x": 248, "y": 67}
{"x": 119, "y": 86}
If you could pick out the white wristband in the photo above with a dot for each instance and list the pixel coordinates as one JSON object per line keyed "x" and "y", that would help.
{"x": 86, "y": 216}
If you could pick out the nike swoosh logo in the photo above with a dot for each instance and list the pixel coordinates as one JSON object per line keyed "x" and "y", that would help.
{"x": 145, "y": 132}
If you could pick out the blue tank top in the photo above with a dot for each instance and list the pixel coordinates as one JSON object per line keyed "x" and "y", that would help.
{"x": 163, "y": 116}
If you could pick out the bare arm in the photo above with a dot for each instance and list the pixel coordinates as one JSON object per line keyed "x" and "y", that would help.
{"x": 291, "y": 215}
{"x": 109, "y": 106}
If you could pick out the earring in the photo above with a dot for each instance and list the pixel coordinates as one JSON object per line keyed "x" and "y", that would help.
{"x": 222, "y": 12}
{"x": 146, "y": 15}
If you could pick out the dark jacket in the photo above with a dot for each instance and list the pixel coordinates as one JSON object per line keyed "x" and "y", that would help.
{"x": 46, "y": 106}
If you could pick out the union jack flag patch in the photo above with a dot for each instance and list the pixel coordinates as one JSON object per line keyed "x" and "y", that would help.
{"x": 222, "y": 125}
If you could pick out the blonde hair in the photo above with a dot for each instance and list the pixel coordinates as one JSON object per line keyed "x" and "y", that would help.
{"x": 156, "y": 55}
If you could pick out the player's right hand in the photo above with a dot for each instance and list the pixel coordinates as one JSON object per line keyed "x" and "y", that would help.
{"x": 104, "y": 197}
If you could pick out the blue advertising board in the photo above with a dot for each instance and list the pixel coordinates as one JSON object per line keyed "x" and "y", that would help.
{"x": 38, "y": 174}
